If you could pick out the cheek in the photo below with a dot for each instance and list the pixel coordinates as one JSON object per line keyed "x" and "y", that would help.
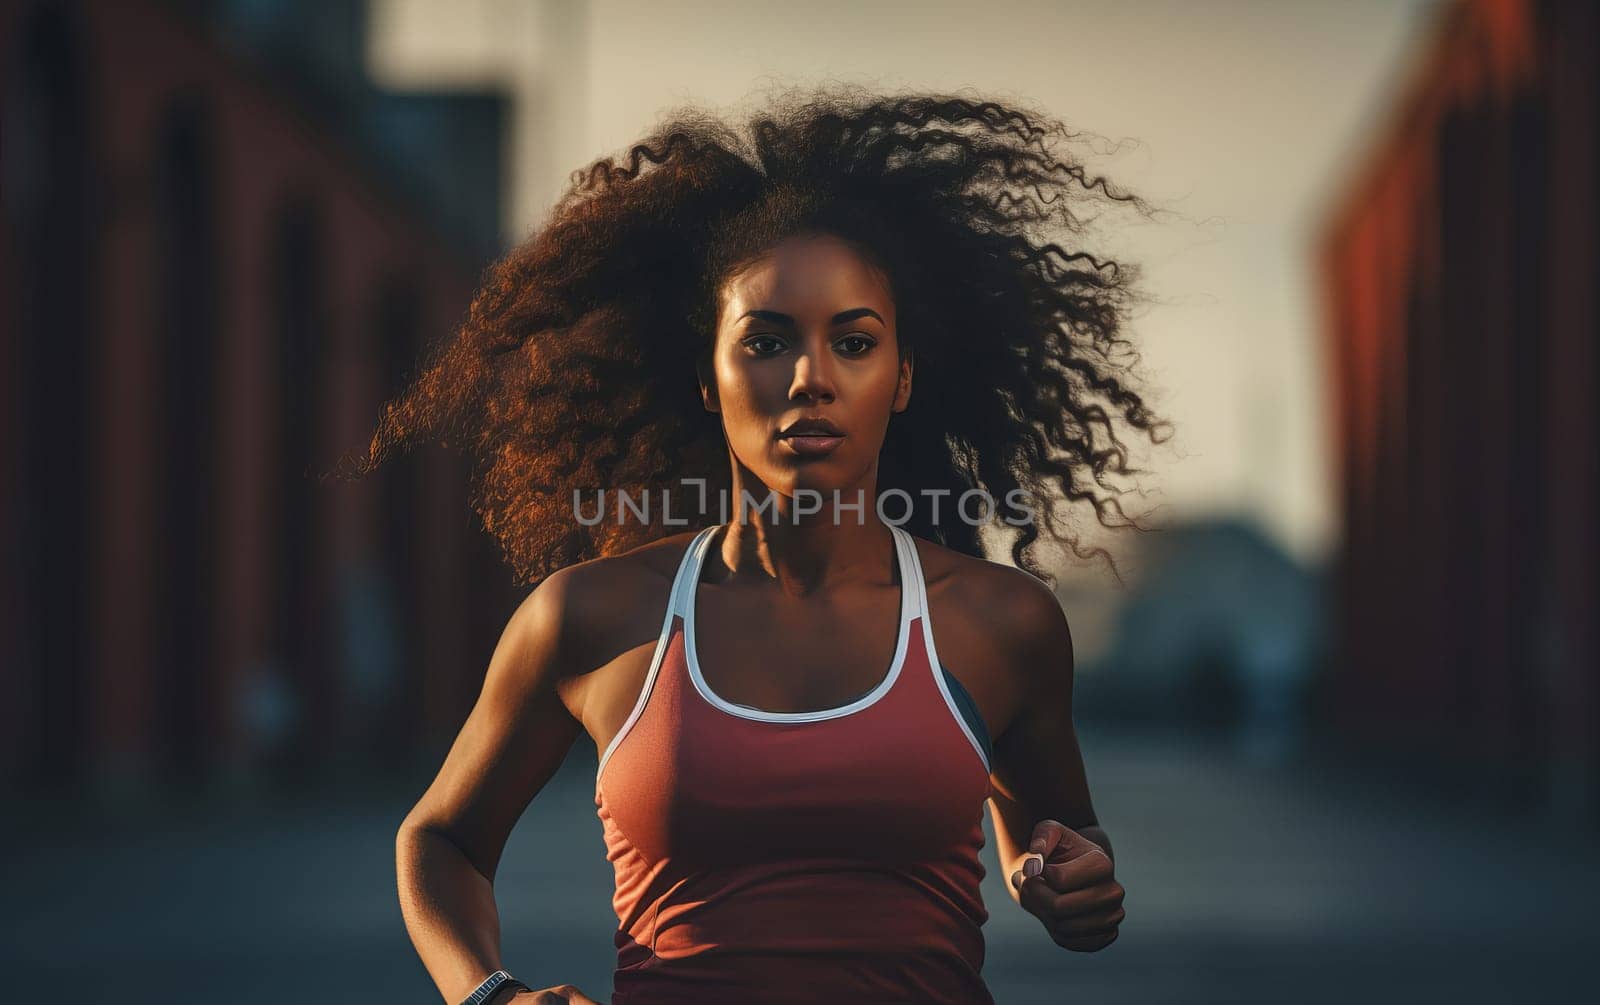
{"x": 875, "y": 388}
{"x": 744, "y": 400}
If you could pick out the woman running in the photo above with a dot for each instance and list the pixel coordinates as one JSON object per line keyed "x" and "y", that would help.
{"x": 817, "y": 355}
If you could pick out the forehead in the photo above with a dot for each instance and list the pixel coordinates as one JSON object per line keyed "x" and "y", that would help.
{"x": 806, "y": 277}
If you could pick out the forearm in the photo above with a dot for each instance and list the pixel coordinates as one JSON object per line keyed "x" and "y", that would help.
{"x": 449, "y": 911}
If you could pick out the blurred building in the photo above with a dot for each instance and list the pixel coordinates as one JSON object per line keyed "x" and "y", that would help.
{"x": 1223, "y": 630}
{"x": 1460, "y": 275}
{"x": 222, "y": 251}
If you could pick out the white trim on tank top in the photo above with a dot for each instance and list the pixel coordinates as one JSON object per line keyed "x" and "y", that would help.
{"x": 661, "y": 649}
{"x": 909, "y": 610}
{"x": 933, "y": 655}
{"x": 912, "y": 603}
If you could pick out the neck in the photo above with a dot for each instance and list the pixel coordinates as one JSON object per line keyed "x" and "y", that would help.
{"x": 804, "y": 552}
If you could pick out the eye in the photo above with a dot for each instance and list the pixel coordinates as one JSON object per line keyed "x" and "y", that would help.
{"x": 859, "y": 344}
{"x": 776, "y": 344}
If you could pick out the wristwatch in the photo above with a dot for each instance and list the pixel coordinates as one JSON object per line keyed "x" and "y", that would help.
{"x": 495, "y": 982}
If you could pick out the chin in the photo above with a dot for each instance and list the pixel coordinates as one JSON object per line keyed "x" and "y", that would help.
{"x": 825, "y": 476}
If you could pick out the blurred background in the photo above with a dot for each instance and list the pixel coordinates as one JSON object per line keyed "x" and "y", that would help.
{"x": 1338, "y": 722}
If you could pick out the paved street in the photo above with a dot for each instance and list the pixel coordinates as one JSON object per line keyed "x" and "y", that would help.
{"x": 1245, "y": 884}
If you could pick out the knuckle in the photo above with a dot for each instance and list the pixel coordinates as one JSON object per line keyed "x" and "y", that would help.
{"x": 1086, "y": 935}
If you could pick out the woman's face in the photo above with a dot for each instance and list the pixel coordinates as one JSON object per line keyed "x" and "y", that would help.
{"x": 808, "y": 332}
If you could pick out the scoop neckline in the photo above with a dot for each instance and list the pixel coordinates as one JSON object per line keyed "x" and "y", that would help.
{"x": 897, "y": 662}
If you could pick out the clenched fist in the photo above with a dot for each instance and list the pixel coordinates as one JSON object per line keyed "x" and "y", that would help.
{"x": 1070, "y": 888}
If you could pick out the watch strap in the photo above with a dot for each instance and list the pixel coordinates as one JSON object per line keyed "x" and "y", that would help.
{"x": 490, "y": 986}
{"x": 508, "y": 990}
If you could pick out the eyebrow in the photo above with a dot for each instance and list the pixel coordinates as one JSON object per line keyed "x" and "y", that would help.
{"x": 843, "y": 317}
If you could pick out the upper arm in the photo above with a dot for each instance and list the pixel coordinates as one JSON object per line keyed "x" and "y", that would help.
{"x": 515, "y": 738}
{"x": 1037, "y": 770}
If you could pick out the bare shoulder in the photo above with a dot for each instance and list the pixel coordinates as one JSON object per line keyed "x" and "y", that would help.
{"x": 998, "y": 628}
{"x": 1018, "y": 607}
{"x": 604, "y": 602}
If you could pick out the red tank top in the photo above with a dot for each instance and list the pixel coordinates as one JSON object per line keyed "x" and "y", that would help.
{"x": 823, "y": 856}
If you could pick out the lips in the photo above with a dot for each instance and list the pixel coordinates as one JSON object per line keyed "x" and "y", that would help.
{"x": 811, "y": 426}
{"x": 811, "y": 437}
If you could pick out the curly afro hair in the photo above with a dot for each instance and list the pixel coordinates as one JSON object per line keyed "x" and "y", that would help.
{"x": 576, "y": 366}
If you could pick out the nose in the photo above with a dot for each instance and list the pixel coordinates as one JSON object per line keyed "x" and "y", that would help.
{"x": 812, "y": 377}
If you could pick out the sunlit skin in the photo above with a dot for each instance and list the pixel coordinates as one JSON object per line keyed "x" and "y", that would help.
{"x": 807, "y": 330}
